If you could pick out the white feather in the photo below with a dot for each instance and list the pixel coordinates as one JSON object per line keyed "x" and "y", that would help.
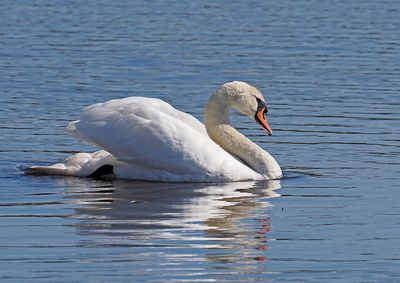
{"x": 148, "y": 139}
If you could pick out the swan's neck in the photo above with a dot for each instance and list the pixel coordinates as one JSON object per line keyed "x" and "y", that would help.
{"x": 220, "y": 130}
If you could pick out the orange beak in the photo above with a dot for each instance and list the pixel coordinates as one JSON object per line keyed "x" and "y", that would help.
{"x": 262, "y": 120}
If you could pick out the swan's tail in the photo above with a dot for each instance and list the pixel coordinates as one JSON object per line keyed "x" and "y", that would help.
{"x": 47, "y": 170}
{"x": 92, "y": 165}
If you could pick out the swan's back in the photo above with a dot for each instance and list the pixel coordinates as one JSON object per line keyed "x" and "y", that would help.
{"x": 154, "y": 141}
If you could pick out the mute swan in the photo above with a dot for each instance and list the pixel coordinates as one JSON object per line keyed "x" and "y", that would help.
{"x": 147, "y": 139}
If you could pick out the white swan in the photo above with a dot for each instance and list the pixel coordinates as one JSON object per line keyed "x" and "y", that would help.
{"x": 147, "y": 139}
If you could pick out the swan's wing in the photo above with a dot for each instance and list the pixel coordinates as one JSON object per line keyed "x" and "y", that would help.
{"x": 151, "y": 133}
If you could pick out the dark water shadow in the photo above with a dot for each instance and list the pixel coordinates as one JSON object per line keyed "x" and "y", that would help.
{"x": 297, "y": 173}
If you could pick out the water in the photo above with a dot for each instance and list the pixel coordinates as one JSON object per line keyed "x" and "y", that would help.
{"x": 330, "y": 73}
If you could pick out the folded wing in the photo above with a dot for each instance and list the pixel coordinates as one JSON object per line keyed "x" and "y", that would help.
{"x": 150, "y": 133}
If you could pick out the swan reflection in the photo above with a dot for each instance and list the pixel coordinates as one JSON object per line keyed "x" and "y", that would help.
{"x": 221, "y": 217}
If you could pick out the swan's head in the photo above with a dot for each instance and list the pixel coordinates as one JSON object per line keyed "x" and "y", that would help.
{"x": 248, "y": 100}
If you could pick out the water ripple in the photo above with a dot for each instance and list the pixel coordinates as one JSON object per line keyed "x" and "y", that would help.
{"x": 329, "y": 73}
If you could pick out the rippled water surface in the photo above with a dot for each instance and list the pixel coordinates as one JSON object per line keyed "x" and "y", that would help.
{"x": 330, "y": 73}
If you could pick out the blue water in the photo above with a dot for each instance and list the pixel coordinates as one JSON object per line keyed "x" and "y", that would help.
{"x": 330, "y": 73}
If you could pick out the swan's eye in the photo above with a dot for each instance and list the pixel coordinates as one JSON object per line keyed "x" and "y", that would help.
{"x": 260, "y": 105}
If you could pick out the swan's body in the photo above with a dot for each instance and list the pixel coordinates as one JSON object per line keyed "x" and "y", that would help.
{"x": 147, "y": 139}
